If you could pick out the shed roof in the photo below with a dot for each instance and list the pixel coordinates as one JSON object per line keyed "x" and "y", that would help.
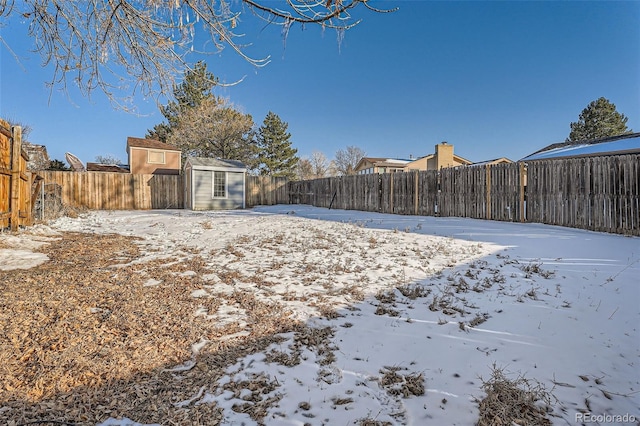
{"x": 149, "y": 143}
{"x": 617, "y": 145}
{"x": 215, "y": 162}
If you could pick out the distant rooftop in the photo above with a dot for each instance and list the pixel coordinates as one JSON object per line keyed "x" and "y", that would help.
{"x": 617, "y": 145}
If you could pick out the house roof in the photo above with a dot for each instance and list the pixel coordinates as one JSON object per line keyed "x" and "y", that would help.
{"x": 215, "y": 163}
{"x": 384, "y": 162}
{"x": 149, "y": 143}
{"x": 617, "y": 145}
{"x": 113, "y": 168}
{"x": 494, "y": 161}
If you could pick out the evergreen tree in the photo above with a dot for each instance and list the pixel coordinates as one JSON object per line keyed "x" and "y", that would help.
{"x": 58, "y": 165}
{"x": 276, "y": 156}
{"x": 194, "y": 89}
{"x": 599, "y": 119}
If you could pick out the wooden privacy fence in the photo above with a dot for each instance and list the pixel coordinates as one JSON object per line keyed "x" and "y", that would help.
{"x": 595, "y": 193}
{"x": 118, "y": 191}
{"x": 494, "y": 192}
{"x": 15, "y": 180}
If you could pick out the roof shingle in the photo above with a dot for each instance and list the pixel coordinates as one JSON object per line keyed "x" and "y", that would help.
{"x": 149, "y": 143}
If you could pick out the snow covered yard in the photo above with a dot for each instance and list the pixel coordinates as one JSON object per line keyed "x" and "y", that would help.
{"x": 297, "y": 315}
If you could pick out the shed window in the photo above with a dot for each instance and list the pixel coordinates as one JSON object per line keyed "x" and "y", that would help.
{"x": 219, "y": 184}
{"x": 156, "y": 157}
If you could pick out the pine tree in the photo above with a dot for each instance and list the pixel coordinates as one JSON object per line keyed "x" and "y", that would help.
{"x": 58, "y": 165}
{"x": 599, "y": 119}
{"x": 277, "y": 157}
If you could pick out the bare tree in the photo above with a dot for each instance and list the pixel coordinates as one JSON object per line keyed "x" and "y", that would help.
{"x": 105, "y": 45}
{"x": 107, "y": 159}
{"x": 304, "y": 169}
{"x": 320, "y": 164}
{"x": 26, "y": 128}
{"x": 347, "y": 160}
{"x": 216, "y": 129}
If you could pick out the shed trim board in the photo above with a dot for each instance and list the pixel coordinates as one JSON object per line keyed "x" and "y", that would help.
{"x": 219, "y": 168}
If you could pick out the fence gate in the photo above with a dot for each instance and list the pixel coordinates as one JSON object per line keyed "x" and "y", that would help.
{"x": 15, "y": 180}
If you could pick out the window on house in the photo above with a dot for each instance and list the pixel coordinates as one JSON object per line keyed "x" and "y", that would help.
{"x": 156, "y": 157}
{"x": 219, "y": 184}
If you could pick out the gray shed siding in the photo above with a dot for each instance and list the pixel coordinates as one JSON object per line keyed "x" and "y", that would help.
{"x": 202, "y": 187}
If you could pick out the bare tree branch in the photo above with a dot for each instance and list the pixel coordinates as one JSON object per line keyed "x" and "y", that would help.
{"x": 141, "y": 46}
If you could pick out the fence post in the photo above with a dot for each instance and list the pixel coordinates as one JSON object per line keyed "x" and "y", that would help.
{"x": 523, "y": 178}
{"x": 16, "y": 150}
{"x": 488, "y": 193}
{"x": 390, "y": 192}
{"x": 415, "y": 192}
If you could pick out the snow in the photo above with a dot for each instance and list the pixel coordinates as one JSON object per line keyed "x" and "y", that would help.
{"x": 556, "y": 305}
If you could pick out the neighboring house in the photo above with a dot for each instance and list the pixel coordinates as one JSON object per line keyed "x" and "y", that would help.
{"x": 213, "y": 184}
{"x": 442, "y": 157}
{"x": 149, "y": 156}
{"x": 617, "y": 145}
{"x": 112, "y": 168}
{"x": 369, "y": 165}
{"x": 38, "y": 157}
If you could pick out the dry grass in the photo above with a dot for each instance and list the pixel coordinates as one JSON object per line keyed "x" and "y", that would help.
{"x": 513, "y": 402}
{"x": 404, "y": 385}
{"x": 82, "y": 340}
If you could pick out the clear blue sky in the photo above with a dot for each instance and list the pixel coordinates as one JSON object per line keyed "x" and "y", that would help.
{"x": 492, "y": 78}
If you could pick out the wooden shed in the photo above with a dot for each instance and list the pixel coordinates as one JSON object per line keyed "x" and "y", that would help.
{"x": 214, "y": 184}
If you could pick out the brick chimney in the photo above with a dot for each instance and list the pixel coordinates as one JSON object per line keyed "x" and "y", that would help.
{"x": 444, "y": 155}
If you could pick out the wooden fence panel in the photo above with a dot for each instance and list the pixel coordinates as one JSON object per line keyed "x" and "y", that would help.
{"x": 266, "y": 191}
{"x": 118, "y": 191}
{"x": 504, "y": 186}
{"x": 595, "y": 193}
{"x": 428, "y": 189}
